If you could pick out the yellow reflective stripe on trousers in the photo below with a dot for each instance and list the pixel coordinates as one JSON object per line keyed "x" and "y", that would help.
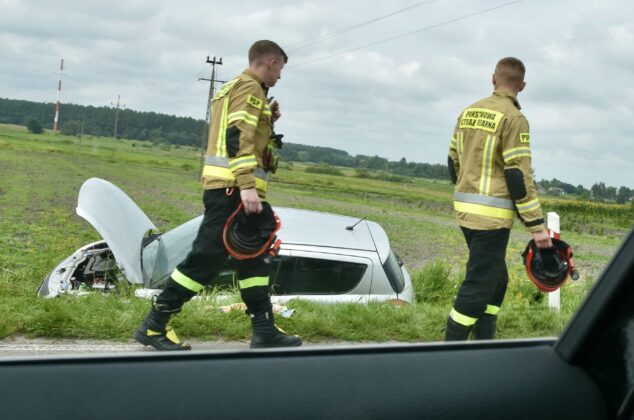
{"x": 186, "y": 282}
{"x": 487, "y": 165}
{"x": 461, "y": 319}
{"x": 516, "y": 152}
{"x": 492, "y": 310}
{"x": 242, "y": 116}
{"x": 526, "y": 207}
{"x": 242, "y": 162}
{"x": 253, "y": 282}
{"x": 481, "y": 210}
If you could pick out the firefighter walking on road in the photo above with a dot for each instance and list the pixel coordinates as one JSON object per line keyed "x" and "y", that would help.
{"x": 237, "y": 166}
{"x": 490, "y": 165}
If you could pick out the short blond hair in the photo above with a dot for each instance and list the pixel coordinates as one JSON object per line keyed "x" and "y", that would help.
{"x": 511, "y": 70}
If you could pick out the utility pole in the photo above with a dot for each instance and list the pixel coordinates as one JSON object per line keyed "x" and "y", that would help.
{"x": 116, "y": 115}
{"x": 81, "y": 130}
{"x": 116, "y": 123}
{"x": 57, "y": 104}
{"x": 212, "y": 89}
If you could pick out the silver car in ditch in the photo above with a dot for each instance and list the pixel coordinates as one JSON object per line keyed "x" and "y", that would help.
{"x": 323, "y": 257}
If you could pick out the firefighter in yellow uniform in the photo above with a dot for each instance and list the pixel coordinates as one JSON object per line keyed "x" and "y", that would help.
{"x": 490, "y": 165}
{"x": 238, "y": 162}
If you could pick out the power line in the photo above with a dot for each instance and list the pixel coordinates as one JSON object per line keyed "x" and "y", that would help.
{"x": 300, "y": 45}
{"x": 303, "y": 44}
{"x": 426, "y": 28}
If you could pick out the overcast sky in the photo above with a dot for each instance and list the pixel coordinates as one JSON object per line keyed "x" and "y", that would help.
{"x": 350, "y": 90}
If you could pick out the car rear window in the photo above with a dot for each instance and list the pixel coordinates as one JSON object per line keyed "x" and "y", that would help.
{"x": 394, "y": 273}
{"x": 299, "y": 275}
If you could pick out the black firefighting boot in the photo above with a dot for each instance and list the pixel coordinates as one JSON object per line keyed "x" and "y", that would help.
{"x": 456, "y": 331}
{"x": 267, "y": 334}
{"x": 484, "y": 328}
{"x": 154, "y": 330}
{"x": 260, "y": 310}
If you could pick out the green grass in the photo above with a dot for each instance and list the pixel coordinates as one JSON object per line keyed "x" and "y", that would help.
{"x": 40, "y": 176}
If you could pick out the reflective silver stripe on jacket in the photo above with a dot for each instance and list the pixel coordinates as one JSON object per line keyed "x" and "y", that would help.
{"x": 485, "y": 200}
{"x": 262, "y": 174}
{"x": 223, "y": 162}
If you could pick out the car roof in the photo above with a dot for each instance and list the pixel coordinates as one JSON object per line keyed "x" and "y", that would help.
{"x": 306, "y": 227}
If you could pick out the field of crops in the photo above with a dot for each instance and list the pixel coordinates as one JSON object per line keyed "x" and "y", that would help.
{"x": 40, "y": 176}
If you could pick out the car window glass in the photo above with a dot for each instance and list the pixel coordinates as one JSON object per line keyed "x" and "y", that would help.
{"x": 281, "y": 273}
{"x": 299, "y": 275}
{"x": 393, "y": 271}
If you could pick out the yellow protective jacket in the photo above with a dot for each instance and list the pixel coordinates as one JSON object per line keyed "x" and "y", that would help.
{"x": 238, "y": 151}
{"x": 490, "y": 163}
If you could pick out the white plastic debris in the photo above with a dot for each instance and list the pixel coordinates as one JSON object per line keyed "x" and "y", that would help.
{"x": 283, "y": 311}
{"x": 147, "y": 293}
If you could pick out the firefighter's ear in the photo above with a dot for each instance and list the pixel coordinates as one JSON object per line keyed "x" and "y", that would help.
{"x": 270, "y": 61}
{"x": 521, "y": 86}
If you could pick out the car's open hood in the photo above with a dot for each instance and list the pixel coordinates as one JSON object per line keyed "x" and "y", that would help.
{"x": 119, "y": 221}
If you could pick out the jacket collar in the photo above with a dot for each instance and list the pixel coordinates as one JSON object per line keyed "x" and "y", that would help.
{"x": 508, "y": 95}
{"x": 255, "y": 77}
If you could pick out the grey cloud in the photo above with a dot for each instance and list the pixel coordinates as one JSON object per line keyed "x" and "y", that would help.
{"x": 395, "y": 99}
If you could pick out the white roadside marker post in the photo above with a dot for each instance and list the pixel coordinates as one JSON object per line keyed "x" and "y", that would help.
{"x": 552, "y": 221}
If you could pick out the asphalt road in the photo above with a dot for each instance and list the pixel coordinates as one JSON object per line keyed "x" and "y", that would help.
{"x": 25, "y": 347}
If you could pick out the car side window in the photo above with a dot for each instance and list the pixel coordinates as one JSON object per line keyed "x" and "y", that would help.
{"x": 393, "y": 271}
{"x": 299, "y": 275}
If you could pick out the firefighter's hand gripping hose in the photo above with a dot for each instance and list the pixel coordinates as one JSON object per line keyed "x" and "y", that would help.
{"x": 252, "y": 236}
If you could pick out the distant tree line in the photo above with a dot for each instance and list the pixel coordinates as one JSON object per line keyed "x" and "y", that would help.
{"x": 99, "y": 121}
{"x": 162, "y": 128}
{"x": 599, "y": 191}
{"x": 336, "y": 157}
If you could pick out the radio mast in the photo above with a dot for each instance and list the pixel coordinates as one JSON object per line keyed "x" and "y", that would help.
{"x": 59, "y": 91}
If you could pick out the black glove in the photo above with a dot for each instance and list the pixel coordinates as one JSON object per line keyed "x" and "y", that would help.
{"x": 277, "y": 140}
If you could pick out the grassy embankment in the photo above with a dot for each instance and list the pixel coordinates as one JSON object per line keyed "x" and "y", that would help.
{"x": 40, "y": 176}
